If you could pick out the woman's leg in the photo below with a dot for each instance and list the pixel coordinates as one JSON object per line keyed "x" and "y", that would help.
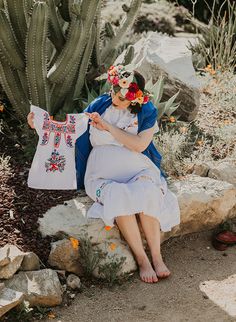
{"x": 129, "y": 228}
{"x": 151, "y": 229}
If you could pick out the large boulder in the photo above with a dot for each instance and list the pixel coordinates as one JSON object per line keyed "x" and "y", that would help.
{"x": 64, "y": 257}
{"x": 71, "y": 219}
{"x": 39, "y": 287}
{"x": 116, "y": 249}
{"x": 160, "y": 54}
{"x": 204, "y": 203}
{"x": 224, "y": 171}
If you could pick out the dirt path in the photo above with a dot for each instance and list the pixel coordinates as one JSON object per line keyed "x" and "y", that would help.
{"x": 191, "y": 259}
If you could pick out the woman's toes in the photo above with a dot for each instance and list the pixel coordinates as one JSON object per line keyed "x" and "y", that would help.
{"x": 161, "y": 269}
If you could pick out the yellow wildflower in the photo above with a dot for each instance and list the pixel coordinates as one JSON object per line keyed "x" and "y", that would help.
{"x": 1, "y": 108}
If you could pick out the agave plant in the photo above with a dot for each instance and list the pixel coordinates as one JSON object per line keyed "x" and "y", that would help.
{"x": 50, "y": 48}
{"x": 167, "y": 107}
{"x": 216, "y": 43}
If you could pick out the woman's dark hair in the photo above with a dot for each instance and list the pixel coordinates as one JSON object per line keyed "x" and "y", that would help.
{"x": 134, "y": 109}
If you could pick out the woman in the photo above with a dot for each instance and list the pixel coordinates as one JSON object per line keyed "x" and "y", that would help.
{"x": 119, "y": 167}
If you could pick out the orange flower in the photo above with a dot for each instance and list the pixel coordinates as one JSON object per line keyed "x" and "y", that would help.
{"x": 107, "y": 228}
{"x": 1, "y": 108}
{"x": 172, "y": 119}
{"x": 74, "y": 242}
{"x": 140, "y": 100}
{"x": 112, "y": 246}
{"x": 139, "y": 93}
{"x": 51, "y": 315}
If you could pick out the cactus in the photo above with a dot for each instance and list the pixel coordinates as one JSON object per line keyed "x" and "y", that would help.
{"x": 51, "y": 49}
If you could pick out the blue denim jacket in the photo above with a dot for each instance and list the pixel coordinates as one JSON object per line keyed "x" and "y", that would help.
{"x": 146, "y": 119}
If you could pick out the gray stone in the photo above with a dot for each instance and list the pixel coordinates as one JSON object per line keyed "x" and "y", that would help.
{"x": 64, "y": 257}
{"x": 224, "y": 171}
{"x": 39, "y": 287}
{"x": 9, "y": 299}
{"x": 30, "y": 262}
{"x": 115, "y": 250}
{"x": 72, "y": 220}
{"x": 204, "y": 203}
{"x": 159, "y": 54}
{"x": 201, "y": 169}
{"x": 15, "y": 256}
{"x": 73, "y": 282}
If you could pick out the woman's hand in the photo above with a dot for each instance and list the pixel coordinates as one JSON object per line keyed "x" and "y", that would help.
{"x": 30, "y": 120}
{"x": 97, "y": 121}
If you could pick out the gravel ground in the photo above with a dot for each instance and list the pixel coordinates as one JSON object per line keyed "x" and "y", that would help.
{"x": 20, "y": 206}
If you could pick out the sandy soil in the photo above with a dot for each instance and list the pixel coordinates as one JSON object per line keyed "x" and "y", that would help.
{"x": 191, "y": 259}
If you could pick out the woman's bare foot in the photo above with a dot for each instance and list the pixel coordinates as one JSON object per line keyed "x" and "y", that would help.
{"x": 160, "y": 268}
{"x": 146, "y": 272}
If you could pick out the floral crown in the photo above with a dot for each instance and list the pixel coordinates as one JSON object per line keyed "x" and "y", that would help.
{"x": 125, "y": 79}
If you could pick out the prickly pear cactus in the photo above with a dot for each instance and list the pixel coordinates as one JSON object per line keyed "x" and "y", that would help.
{"x": 49, "y": 50}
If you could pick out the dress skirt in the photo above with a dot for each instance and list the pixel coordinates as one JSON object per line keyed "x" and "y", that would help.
{"x": 124, "y": 182}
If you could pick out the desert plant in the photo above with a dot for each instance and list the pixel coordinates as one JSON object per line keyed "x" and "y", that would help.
{"x": 90, "y": 255}
{"x": 216, "y": 43}
{"x": 53, "y": 46}
{"x": 110, "y": 271}
{"x": 167, "y": 107}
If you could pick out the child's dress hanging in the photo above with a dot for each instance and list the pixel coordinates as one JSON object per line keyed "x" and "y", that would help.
{"x": 53, "y": 166}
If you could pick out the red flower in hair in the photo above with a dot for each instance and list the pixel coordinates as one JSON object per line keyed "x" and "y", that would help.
{"x": 130, "y": 96}
{"x": 133, "y": 87}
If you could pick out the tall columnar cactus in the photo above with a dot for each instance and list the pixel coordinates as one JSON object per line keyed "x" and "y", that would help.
{"x": 49, "y": 48}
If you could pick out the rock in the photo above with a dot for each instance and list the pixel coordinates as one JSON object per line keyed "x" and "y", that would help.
{"x": 73, "y": 282}
{"x": 115, "y": 250}
{"x": 64, "y": 257}
{"x": 4, "y": 256}
{"x": 222, "y": 293}
{"x": 41, "y": 287}
{"x": 9, "y": 299}
{"x": 201, "y": 169}
{"x": 224, "y": 172}
{"x": 12, "y": 253}
{"x": 72, "y": 220}
{"x": 30, "y": 262}
{"x": 204, "y": 203}
{"x": 160, "y": 54}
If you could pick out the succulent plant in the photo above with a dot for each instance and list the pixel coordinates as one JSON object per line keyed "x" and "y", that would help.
{"x": 49, "y": 49}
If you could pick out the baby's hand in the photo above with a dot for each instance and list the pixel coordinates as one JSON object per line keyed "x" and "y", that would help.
{"x": 30, "y": 120}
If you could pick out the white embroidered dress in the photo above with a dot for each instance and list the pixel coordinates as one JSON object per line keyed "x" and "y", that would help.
{"x": 53, "y": 166}
{"x": 113, "y": 177}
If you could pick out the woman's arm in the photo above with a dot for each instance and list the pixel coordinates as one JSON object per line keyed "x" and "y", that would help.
{"x": 135, "y": 142}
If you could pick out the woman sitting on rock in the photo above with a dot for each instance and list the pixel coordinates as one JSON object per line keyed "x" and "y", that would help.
{"x": 119, "y": 167}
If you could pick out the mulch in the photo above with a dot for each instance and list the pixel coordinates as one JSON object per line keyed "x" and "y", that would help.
{"x": 21, "y": 206}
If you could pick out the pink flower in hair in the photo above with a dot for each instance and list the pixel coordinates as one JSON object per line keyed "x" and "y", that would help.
{"x": 115, "y": 80}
